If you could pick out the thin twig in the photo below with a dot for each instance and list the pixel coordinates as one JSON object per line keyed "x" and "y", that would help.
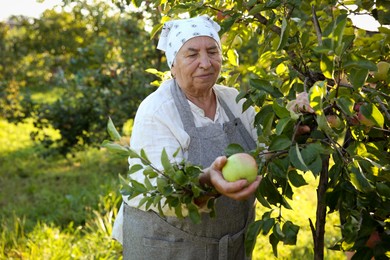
{"x": 316, "y": 26}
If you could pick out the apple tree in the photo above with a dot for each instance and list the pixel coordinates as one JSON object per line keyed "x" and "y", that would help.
{"x": 321, "y": 89}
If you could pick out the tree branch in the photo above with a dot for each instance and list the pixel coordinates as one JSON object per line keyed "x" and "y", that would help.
{"x": 316, "y": 26}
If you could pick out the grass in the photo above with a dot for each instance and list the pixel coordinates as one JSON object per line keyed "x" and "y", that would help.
{"x": 53, "y": 207}
{"x": 304, "y": 208}
{"x": 66, "y": 204}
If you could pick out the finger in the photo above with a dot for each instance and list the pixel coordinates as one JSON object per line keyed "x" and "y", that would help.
{"x": 223, "y": 186}
{"x": 246, "y": 192}
{"x": 218, "y": 163}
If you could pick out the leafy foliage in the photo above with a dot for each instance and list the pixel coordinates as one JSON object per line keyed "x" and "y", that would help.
{"x": 301, "y": 65}
{"x": 176, "y": 186}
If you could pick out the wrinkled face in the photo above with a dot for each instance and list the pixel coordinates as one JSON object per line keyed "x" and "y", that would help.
{"x": 197, "y": 65}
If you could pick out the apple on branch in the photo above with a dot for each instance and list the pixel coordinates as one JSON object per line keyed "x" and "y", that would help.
{"x": 240, "y": 166}
{"x": 383, "y": 69}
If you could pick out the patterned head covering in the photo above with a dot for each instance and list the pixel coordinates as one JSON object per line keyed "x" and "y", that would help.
{"x": 176, "y": 32}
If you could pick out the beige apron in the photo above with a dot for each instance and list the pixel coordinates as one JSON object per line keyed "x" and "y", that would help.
{"x": 147, "y": 235}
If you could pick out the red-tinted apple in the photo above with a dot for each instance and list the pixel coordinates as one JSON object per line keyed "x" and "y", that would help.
{"x": 334, "y": 121}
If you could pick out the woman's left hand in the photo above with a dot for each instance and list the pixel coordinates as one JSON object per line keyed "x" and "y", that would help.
{"x": 238, "y": 190}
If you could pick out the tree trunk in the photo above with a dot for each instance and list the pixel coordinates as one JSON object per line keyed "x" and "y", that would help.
{"x": 319, "y": 230}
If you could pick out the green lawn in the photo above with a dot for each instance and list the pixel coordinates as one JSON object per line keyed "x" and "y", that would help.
{"x": 63, "y": 208}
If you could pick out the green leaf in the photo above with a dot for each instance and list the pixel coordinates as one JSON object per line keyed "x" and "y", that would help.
{"x": 316, "y": 94}
{"x": 357, "y": 62}
{"x": 323, "y": 125}
{"x": 148, "y": 184}
{"x": 232, "y": 56}
{"x": 137, "y": 186}
{"x": 150, "y": 172}
{"x": 155, "y": 30}
{"x": 280, "y": 143}
{"x": 256, "y": 9}
{"x": 316, "y": 166}
{"x": 178, "y": 211}
{"x": 112, "y": 130}
{"x": 358, "y": 179}
{"x": 358, "y": 77}
{"x": 179, "y": 177}
{"x": 290, "y": 231}
{"x": 277, "y": 231}
{"x": 251, "y": 236}
{"x": 116, "y": 148}
{"x": 228, "y": 23}
{"x": 135, "y": 168}
{"x": 233, "y": 149}
{"x": 143, "y": 201}
{"x": 193, "y": 213}
{"x": 144, "y": 157}
{"x": 267, "y": 225}
{"x": 346, "y": 104}
{"x": 168, "y": 168}
{"x": 282, "y": 123}
{"x": 326, "y": 66}
{"x": 311, "y": 155}
{"x": 296, "y": 179}
{"x": 371, "y": 112}
{"x": 161, "y": 184}
{"x": 296, "y": 158}
{"x": 283, "y": 35}
{"x": 280, "y": 110}
{"x": 261, "y": 199}
{"x": 271, "y": 4}
{"x": 383, "y": 189}
{"x": 274, "y": 241}
{"x": 338, "y": 33}
{"x": 266, "y": 86}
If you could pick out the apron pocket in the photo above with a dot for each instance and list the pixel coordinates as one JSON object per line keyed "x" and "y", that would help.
{"x": 165, "y": 249}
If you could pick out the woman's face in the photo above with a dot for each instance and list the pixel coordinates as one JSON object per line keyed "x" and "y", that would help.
{"x": 197, "y": 65}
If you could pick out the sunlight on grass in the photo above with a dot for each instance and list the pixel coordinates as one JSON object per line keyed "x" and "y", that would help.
{"x": 14, "y": 137}
{"x": 55, "y": 207}
{"x": 304, "y": 207}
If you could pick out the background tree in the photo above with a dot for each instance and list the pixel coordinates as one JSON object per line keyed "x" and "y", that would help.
{"x": 90, "y": 56}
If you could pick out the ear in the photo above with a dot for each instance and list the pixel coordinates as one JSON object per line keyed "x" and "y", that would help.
{"x": 173, "y": 71}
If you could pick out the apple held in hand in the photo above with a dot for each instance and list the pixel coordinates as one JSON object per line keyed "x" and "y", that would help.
{"x": 240, "y": 166}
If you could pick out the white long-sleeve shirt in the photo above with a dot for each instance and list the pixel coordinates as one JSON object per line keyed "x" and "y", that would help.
{"x": 158, "y": 125}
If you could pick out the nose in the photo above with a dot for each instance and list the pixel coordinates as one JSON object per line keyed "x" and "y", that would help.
{"x": 204, "y": 61}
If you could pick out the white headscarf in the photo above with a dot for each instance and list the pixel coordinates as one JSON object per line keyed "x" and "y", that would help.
{"x": 176, "y": 32}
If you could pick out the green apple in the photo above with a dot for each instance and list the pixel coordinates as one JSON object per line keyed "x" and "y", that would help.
{"x": 383, "y": 68}
{"x": 237, "y": 42}
{"x": 240, "y": 166}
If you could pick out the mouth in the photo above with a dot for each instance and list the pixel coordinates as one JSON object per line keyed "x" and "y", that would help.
{"x": 204, "y": 76}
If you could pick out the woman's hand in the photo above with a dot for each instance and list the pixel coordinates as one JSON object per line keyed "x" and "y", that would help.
{"x": 238, "y": 190}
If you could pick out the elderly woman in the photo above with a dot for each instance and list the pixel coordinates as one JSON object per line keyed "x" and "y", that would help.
{"x": 193, "y": 113}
